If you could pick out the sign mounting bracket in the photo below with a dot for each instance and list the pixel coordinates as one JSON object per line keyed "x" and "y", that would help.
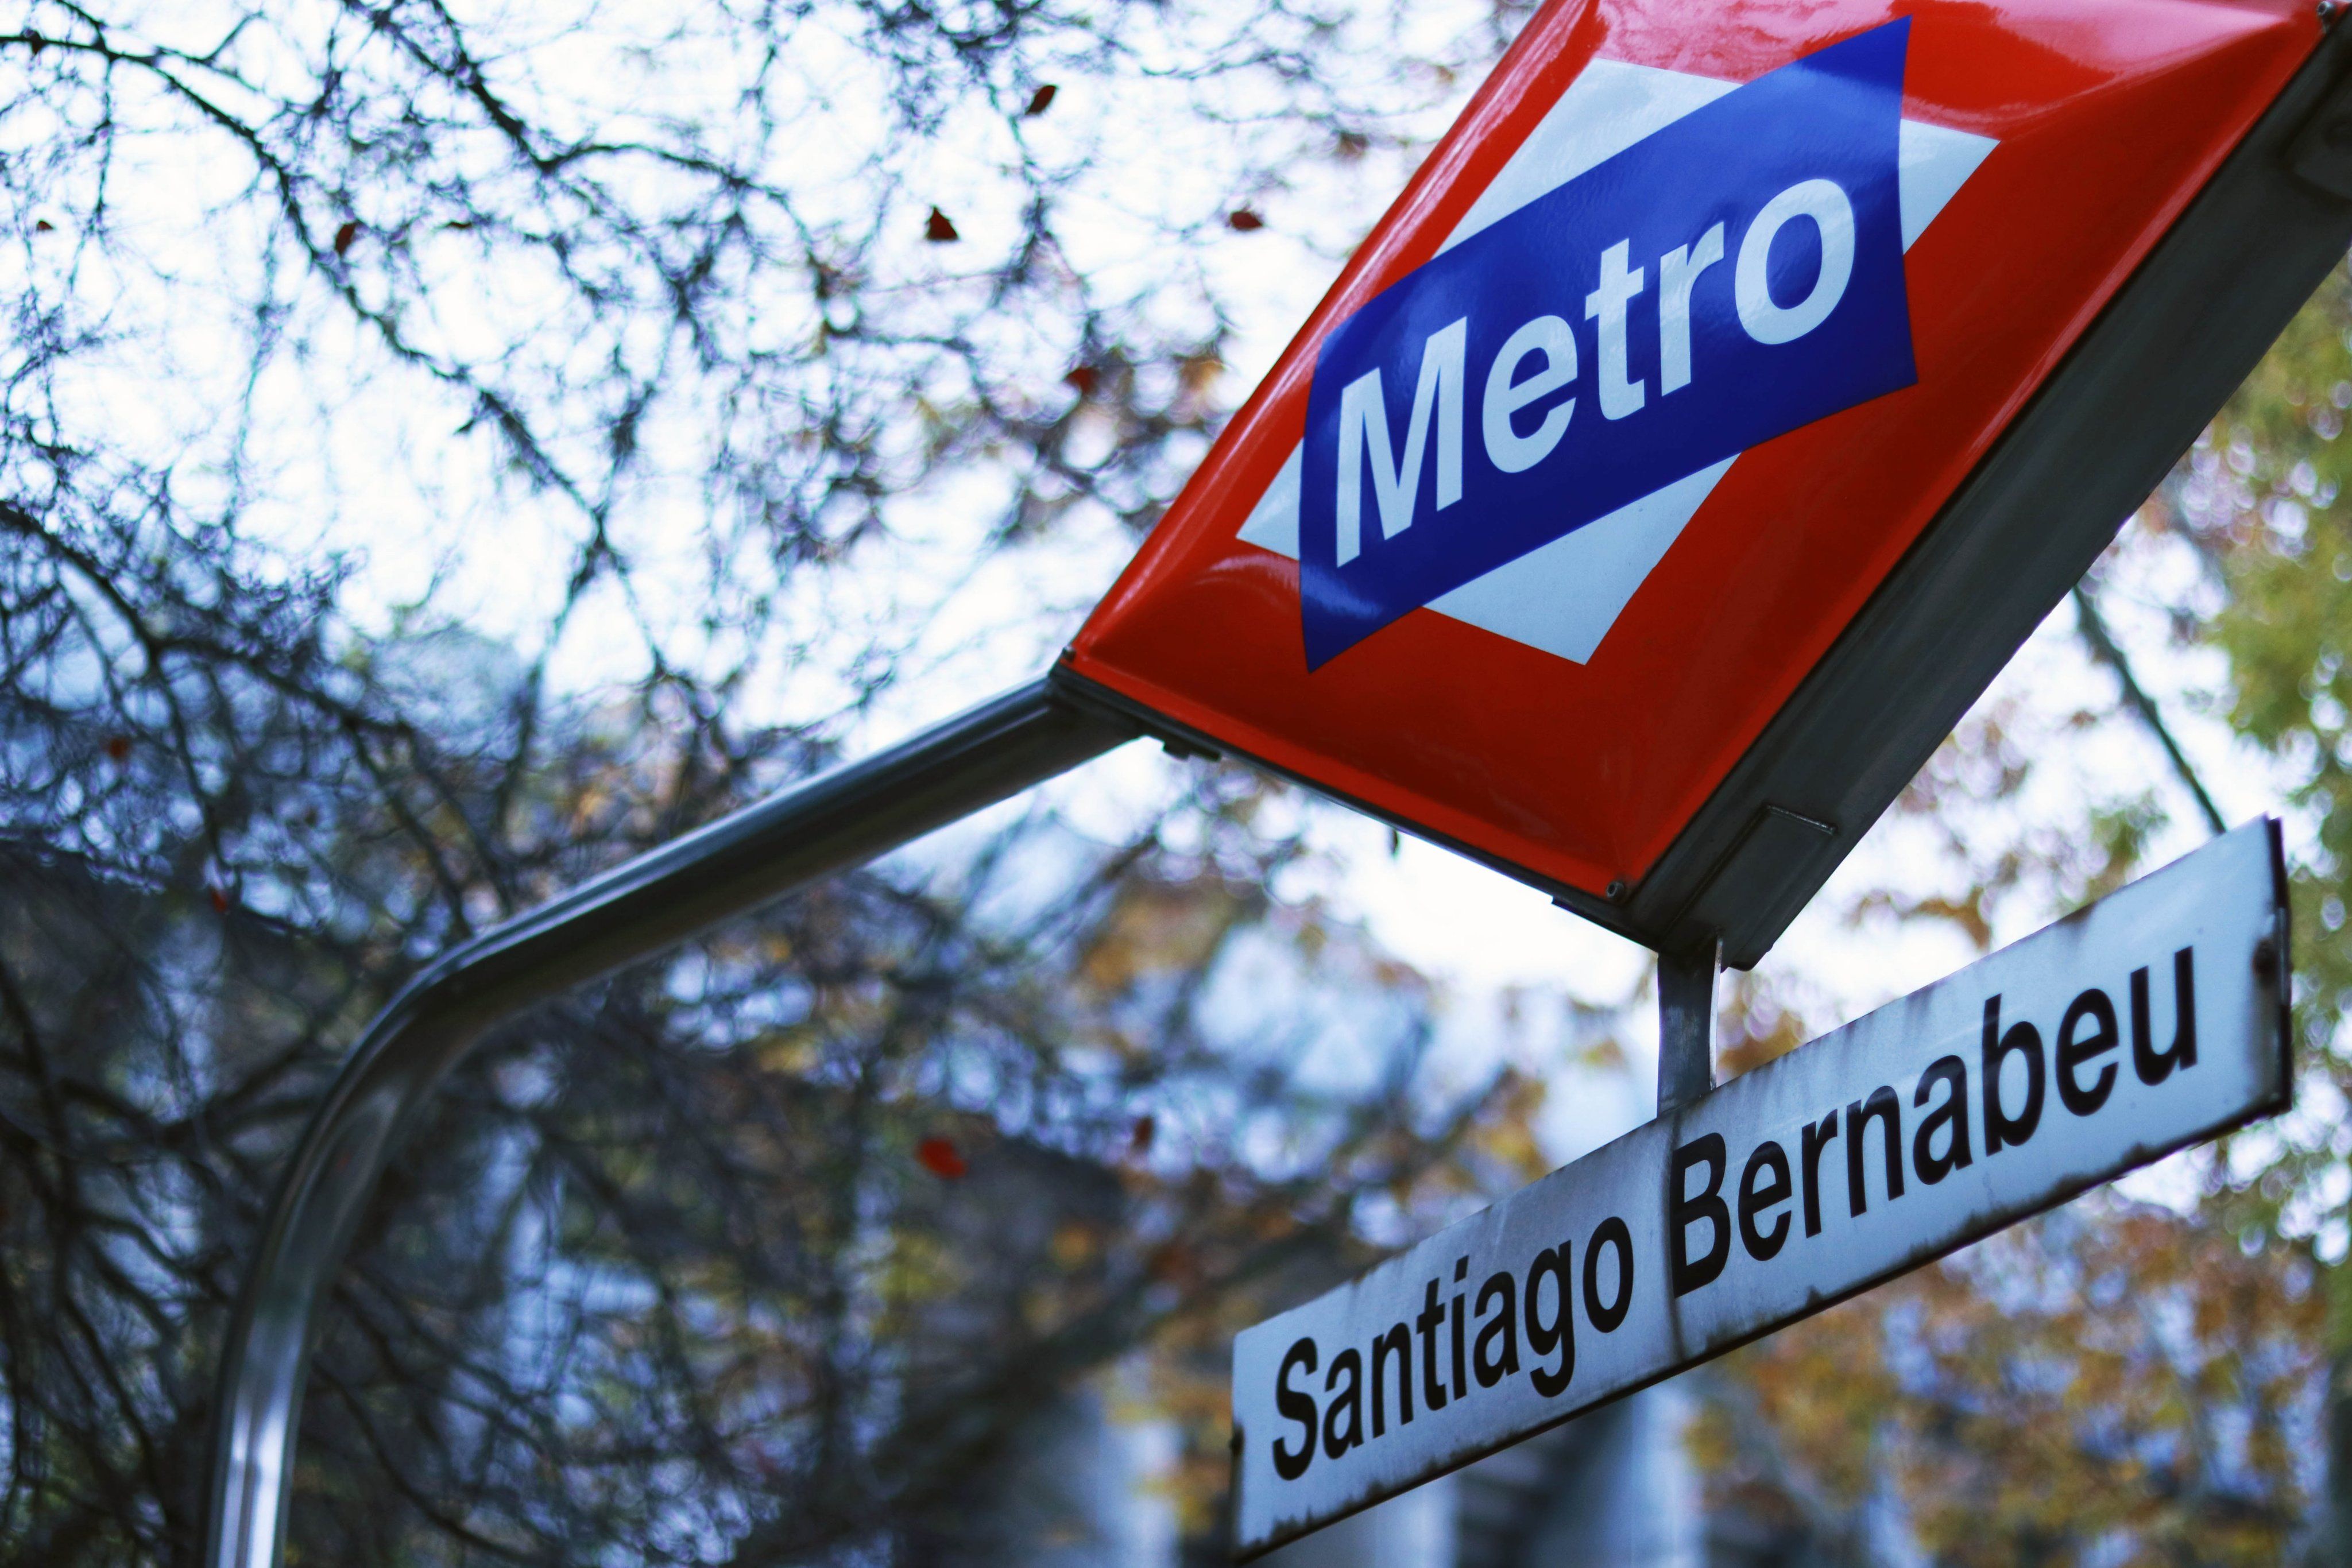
{"x": 1686, "y": 1024}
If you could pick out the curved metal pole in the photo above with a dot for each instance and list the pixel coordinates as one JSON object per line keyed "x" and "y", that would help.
{"x": 832, "y": 822}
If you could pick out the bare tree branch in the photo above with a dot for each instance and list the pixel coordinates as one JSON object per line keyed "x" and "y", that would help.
{"x": 2108, "y": 651}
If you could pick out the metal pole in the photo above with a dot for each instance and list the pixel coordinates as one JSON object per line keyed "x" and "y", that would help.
{"x": 829, "y": 823}
{"x": 1686, "y": 1024}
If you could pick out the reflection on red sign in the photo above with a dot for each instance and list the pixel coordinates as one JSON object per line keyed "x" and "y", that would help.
{"x": 1569, "y": 710}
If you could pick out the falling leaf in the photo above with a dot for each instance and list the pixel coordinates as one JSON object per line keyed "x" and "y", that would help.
{"x": 1147, "y": 1128}
{"x": 43, "y": 226}
{"x": 459, "y": 225}
{"x": 1041, "y": 100}
{"x": 1083, "y": 378}
{"x": 1242, "y": 221}
{"x": 345, "y": 235}
{"x": 939, "y": 1156}
{"x": 940, "y": 230}
{"x": 118, "y": 747}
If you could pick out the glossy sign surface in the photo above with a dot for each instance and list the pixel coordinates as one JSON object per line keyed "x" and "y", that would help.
{"x": 2154, "y": 1018}
{"x": 1672, "y": 348}
{"x": 1771, "y": 217}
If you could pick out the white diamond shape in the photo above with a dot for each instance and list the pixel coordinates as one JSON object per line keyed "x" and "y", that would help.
{"x": 1563, "y": 597}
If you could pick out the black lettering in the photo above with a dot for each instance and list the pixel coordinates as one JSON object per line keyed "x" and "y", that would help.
{"x": 1610, "y": 1233}
{"x": 1755, "y": 1198}
{"x": 1433, "y": 1317}
{"x": 1885, "y": 1108}
{"x": 1461, "y": 1377}
{"x": 2072, "y": 1052}
{"x": 1543, "y": 1337}
{"x": 2003, "y": 1130}
{"x": 1297, "y": 1407}
{"x": 1504, "y": 1325}
{"x": 1399, "y": 1340}
{"x": 2152, "y": 1067}
{"x": 1682, "y": 1211}
{"x": 1817, "y": 1137}
{"x": 1953, "y": 1113}
{"x": 1349, "y": 1399}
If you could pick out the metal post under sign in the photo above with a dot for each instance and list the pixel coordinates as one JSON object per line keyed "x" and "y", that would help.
{"x": 2148, "y": 1021}
{"x": 817, "y": 827}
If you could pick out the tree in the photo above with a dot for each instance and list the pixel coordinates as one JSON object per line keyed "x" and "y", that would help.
{"x": 2125, "y": 1382}
{"x": 441, "y": 457}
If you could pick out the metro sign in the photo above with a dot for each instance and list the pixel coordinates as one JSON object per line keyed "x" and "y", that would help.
{"x": 1726, "y": 398}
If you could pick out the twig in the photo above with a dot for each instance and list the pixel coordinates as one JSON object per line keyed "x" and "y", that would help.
{"x": 2108, "y": 651}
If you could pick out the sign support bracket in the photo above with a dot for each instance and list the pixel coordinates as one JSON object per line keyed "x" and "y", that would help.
{"x": 830, "y": 823}
{"x": 1686, "y": 1024}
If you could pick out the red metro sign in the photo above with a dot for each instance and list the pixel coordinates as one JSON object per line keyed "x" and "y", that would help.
{"x": 1729, "y": 395}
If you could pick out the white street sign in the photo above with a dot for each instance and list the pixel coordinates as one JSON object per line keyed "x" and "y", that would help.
{"x": 2153, "y": 1020}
